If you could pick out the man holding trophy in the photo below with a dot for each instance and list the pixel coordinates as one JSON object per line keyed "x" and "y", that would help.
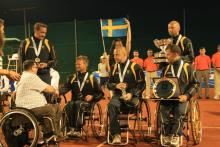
{"x": 184, "y": 43}
{"x": 126, "y": 83}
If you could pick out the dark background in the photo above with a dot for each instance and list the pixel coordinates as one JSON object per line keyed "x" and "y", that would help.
{"x": 200, "y": 21}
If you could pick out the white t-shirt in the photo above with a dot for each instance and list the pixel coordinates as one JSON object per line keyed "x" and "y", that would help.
{"x": 29, "y": 91}
{"x": 55, "y": 77}
{"x": 102, "y": 70}
{"x": 4, "y": 84}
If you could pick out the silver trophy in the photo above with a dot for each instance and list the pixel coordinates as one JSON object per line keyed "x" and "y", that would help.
{"x": 160, "y": 57}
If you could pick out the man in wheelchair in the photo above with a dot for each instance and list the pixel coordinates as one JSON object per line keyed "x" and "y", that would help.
{"x": 29, "y": 95}
{"x": 188, "y": 86}
{"x": 126, "y": 83}
{"x": 85, "y": 91}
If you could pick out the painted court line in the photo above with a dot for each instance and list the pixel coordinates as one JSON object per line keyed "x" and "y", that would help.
{"x": 103, "y": 143}
{"x": 211, "y": 127}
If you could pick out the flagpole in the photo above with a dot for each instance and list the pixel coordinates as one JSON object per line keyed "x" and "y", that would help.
{"x": 103, "y": 41}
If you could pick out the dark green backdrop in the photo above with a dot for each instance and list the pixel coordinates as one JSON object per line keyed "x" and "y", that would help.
{"x": 89, "y": 41}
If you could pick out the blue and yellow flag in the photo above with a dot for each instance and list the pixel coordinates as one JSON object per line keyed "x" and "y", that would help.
{"x": 114, "y": 27}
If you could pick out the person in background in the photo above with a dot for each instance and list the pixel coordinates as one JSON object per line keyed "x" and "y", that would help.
{"x": 202, "y": 67}
{"x": 104, "y": 69}
{"x": 117, "y": 44}
{"x": 136, "y": 59}
{"x": 151, "y": 72}
{"x": 216, "y": 65}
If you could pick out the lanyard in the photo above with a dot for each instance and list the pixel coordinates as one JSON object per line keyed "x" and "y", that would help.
{"x": 37, "y": 51}
{"x": 121, "y": 76}
{"x": 179, "y": 70}
{"x": 83, "y": 82}
{"x": 178, "y": 40}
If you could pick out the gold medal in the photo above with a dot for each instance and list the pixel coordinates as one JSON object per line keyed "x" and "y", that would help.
{"x": 37, "y": 60}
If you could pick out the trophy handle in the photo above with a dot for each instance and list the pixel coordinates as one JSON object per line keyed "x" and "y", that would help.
{"x": 156, "y": 43}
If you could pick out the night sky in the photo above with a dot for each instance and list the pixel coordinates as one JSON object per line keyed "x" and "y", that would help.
{"x": 149, "y": 19}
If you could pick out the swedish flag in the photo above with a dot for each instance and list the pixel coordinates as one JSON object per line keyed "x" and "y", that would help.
{"x": 114, "y": 27}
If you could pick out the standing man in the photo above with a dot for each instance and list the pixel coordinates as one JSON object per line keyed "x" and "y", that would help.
{"x": 151, "y": 72}
{"x": 39, "y": 49}
{"x": 184, "y": 43}
{"x": 136, "y": 59}
{"x": 216, "y": 65}
{"x": 202, "y": 67}
{"x": 126, "y": 83}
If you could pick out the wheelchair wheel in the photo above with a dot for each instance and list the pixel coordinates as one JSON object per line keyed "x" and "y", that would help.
{"x": 96, "y": 118}
{"x": 19, "y": 127}
{"x": 196, "y": 124}
{"x": 64, "y": 123}
{"x": 144, "y": 118}
{"x": 157, "y": 121}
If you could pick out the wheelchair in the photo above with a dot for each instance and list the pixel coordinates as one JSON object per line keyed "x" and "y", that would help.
{"x": 136, "y": 122}
{"x": 92, "y": 117}
{"x": 23, "y": 127}
{"x": 192, "y": 126}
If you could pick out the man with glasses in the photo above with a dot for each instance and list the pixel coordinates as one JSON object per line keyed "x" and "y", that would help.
{"x": 29, "y": 95}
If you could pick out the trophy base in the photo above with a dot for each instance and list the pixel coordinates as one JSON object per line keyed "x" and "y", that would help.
{"x": 160, "y": 55}
{"x": 160, "y": 60}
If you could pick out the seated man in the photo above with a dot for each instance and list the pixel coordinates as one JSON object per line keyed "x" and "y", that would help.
{"x": 29, "y": 95}
{"x": 188, "y": 86}
{"x": 85, "y": 91}
{"x": 126, "y": 83}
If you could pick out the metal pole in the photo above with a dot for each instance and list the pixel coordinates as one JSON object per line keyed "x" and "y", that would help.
{"x": 75, "y": 34}
{"x": 25, "y": 23}
{"x": 103, "y": 41}
{"x": 29, "y": 29}
{"x": 184, "y": 21}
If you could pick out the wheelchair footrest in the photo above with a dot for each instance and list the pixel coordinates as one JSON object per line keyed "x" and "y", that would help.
{"x": 123, "y": 117}
{"x": 123, "y": 123}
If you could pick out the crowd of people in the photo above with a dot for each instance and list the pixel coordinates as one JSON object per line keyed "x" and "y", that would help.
{"x": 123, "y": 80}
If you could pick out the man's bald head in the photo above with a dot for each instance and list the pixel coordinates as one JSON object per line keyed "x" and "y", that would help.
{"x": 120, "y": 55}
{"x": 173, "y": 28}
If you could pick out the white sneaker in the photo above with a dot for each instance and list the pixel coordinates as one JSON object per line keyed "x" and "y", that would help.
{"x": 166, "y": 140}
{"x": 116, "y": 139}
{"x": 216, "y": 97}
{"x": 77, "y": 134}
{"x": 175, "y": 141}
{"x": 71, "y": 132}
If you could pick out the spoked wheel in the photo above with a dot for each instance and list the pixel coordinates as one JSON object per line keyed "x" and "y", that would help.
{"x": 196, "y": 123}
{"x": 64, "y": 123}
{"x": 18, "y": 127}
{"x": 97, "y": 120}
{"x": 157, "y": 122}
{"x": 144, "y": 119}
